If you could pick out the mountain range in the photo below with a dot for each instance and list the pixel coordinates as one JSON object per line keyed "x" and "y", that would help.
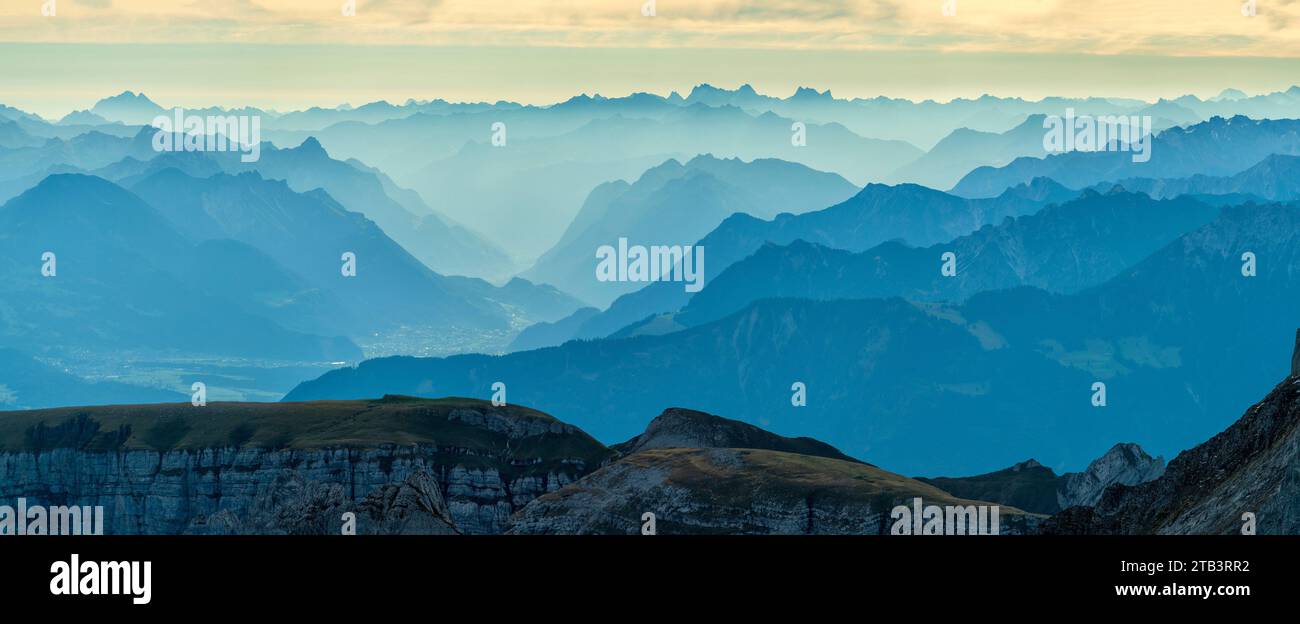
{"x": 878, "y": 213}
{"x": 1063, "y": 248}
{"x": 915, "y": 385}
{"x": 1217, "y": 147}
{"x": 308, "y": 233}
{"x": 677, "y": 204}
{"x": 1095, "y": 298}
{"x": 555, "y": 155}
{"x": 118, "y": 281}
{"x": 1271, "y": 179}
{"x": 439, "y": 242}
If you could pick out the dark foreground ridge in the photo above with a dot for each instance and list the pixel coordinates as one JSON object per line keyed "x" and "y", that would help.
{"x": 431, "y": 466}
{"x": 401, "y": 465}
{"x": 684, "y": 428}
{"x": 1034, "y": 487}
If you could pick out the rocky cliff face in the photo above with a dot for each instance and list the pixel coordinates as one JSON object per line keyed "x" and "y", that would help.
{"x": 1252, "y": 467}
{"x": 1034, "y": 487}
{"x": 1295, "y": 355}
{"x": 704, "y": 474}
{"x": 448, "y": 467}
{"x": 734, "y": 492}
{"x": 256, "y": 491}
{"x": 1125, "y": 464}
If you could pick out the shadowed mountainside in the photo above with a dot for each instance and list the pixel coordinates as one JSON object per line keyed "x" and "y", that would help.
{"x": 1249, "y": 468}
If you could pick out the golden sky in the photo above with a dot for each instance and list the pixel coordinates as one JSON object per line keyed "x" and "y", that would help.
{"x": 1180, "y": 27}
{"x": 874, "y": 45}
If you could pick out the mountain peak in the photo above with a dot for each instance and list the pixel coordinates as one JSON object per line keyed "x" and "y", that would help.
{"x": 1027, "y": 464}
{"x": 127, "y": 107}
{"x": 1229, "y": 95}
{"x": 129, "y": 96}
{"x": 811, "y": 93}
{"x": 684, "y": 428}
{"x": 60, "y": 182}
{"x": 656, "y": 175}
{"x": 82, "y": 117}
{"x": 312, "y": 147}
{"x": 1125, "y": 463}
{"x": 701, "y": 89}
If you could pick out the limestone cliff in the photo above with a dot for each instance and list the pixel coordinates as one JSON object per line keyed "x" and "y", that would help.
{"x": 400, "y": 465}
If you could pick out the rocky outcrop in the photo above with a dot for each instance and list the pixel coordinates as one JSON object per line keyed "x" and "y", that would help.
{"x": 400, "y": 465}
{"x": 1249, "y": 471}
{"x": 1295, "y": 355}
{"x": 1034, "y": 487}
{"x": 737, "y": 491}
{"x": 1124, "y": 464}
{"x": 684, "y": 428}
{"x": 1028, "y": 485}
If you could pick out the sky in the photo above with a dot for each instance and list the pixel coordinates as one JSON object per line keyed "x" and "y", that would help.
{"x": 287, "y": 54}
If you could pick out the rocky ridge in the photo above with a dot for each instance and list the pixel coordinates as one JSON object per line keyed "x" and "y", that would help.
{"x": 683, "y": 428}
{"x": 1034, "y": 487}
{"x": 401, "y": 465}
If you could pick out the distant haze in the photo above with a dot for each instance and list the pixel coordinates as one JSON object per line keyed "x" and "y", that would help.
{"x": 292, "y": 54}
{"x": 54, "y": 80}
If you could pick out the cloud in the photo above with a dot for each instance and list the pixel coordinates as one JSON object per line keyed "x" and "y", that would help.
{"x": 1105, "y": 27}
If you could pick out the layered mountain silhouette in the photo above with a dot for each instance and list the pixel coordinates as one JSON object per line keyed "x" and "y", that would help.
{"x": 553, "y": 157}
{"x": 441, "y": 244}
{"x": 433, "y": 238}
{"x": 556, "y": 154}
{"x": 965, "y": 149}
{"x": 23, "y": 167}
{"x": 1272, "y": 179}
{"x": 12, "y": 136}
{"x": 677, "y": 204}
{"x": 308, "y": 233}
{"x": 1062, "y": 248}
{"x": 915, "y": 385}
{"x": 122, "y": 278}
{"x": 877, "y": 214}
{"x": 1218, "y": 147}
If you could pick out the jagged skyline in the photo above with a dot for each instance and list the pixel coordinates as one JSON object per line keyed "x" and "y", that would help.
{"x": 294, "y": 54}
